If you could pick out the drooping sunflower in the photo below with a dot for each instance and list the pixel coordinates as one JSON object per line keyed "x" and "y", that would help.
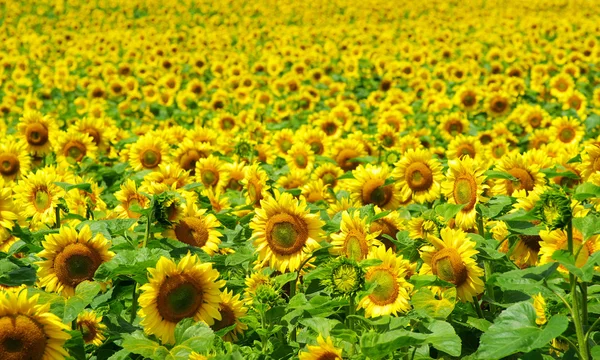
{"x": 91, "y": 327}
{"x": 196, "y": 228}
{"x": 451, "y": 259}
{"x": 36, "y": 130}
{"x": 391, "y": 295}
{"x": 353, "y": 241}
{"x": 14, "y": 158}
{"x": 324, "y": 350}
{"x": 255, "y": 184}
{"x": 419, "y": 176}
{"x": 73, "y": 145}
{"x": 554, "y": 240}
{"x": 528, "y": 175}
{"x": 175, "y": 291}
{"x": 71, "y": 258}
{"x": 148, "y": 152}
{"x": 284, "y": 232}
{"x": 29, "y": 330}
{"x": 232, "y": 310}
{"x": 464, "y": 185}
{"x": 368, "y": 187}
{"x": 209, "y": 171}
{"x": 38, "y": 196}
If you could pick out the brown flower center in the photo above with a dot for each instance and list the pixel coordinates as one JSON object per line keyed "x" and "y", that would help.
{"x": 448, "y": 266}
{"x": 188, "y": 160}
{"x": 524, "y": 180}
{"x": 74, "y": 150}
{"x": 94, "y": 134}
{"x": 192, "y": 231}
{"x": 88, "y": 330}
{"x": 566, "y": 135}
{"x": 465, "y": 192}
{"x": 419, "y": 176}
{"x": 531, "y": 242}
{"x": 465, "y": 150}
{"x": 387, "y": 288}
{"x": 344, "y": 157}
{"x": 9, "y": 164}
{"x": 150, "y": 158}
{"x": 180, "y": 296}
{"x": 227, "y": 318}
{"x": 386, "y": 228}
{"x": 286, "y": 234}
{"x": 21, "y": 337}
{"x": 37, "y": 134}
{"x": 76, "y": 263}
{"x": 373, "y": 192}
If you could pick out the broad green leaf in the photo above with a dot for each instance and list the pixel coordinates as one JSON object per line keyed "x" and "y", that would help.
{"x": 495, "y": 206}
{"x": 448, "y": 211}
{"x": 424, "y": 300}
{"x": 494, "y": 174}
{"x": 109, "y": 228}
{"x": 586, "y": 191}
{"x": 75, "y": 345}
{"x": 137, "y": 343}
{"x": 420, "y": 281}
{"x": 130, "y": 263}
{"x": 588, "y": 225}
{"x": 83, "y": 186}
{"x": 84, "y": 295}
{"x": 195, "y": 335}
{"x": 586, "y": 272}
{"x": 444, "y": 338}
{"x": 529, "y": 281}
{"x": 14, "y": 272}
{"x": 320, "y": 325}
{"x": 515, "y": 331}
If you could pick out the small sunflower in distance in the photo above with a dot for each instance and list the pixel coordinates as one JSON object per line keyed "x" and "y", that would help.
{"x": 527, "y": 174}
{"x": 353, "y": 241}
{"x": 464, "y": 185}
{"x": 419, "y": 176}
{"x": 39, "y": 196}
{"x": 369, "y": 187}
{"x": 554, "y": 240}
{"x": 7, "y": 207}
{"x": 391, "y": 295}
{"x": 232, "y": 310}
{"x": 324, "y": 350}
{"x": 148, "y": 152}
{"x": 71, "y": 258}
{"x": 91, "y": 327}
{"x": 451, "y": 259}
{"x": 255, "y": 184}
{"x": 284, "y": 232}
{"x": 37, "y": 130}
{"x": 175, "y": 291}
{"x": 29, "y": 330}
{"x": 72, "y": 146}
{"x": 14, "y": 158}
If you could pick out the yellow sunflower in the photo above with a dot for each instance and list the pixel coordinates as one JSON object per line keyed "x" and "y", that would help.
{"x": 209, "y": 171}
{"x": 255, "y": 184}
{"x": 102, "y": 131}
{"x": 300, "y": 157}
{"x": 73, "y": 145}
{"x": 71, "y": 258}
{"x": 91, "y": 327}
{"x": 176, "y": 291}
{"x": 36, "y": 130}
{"x": 345, "y": 150}
{"x": 129, "y": 196}
{"x": 148, "y": 152}
{"x": 234, "y": 174}
{"x": 464, "y": 146}
{"x": 391, "y": 295}
{"x": 14, "y": 158}
{"x": 527, "y": 175}
{"x": 8, "y": 216}
{"x": 189, "y": 152}
{"x": 284, "y": 232}
{"x": 451, "y": 259}
{"x": 368, "y": 187}
{"x": 324, "y": 350}
{"x": 340, "y": 205}
{"x": 29, "y": 330}
{"x": 353, "y": 241}
{"x": 464, "y": 185}
{"x": 421, "y": 228}
{"x": 316, "y": 190}
{"x": 232, "y": 310}
{"x": 329, "y": 173}
{"x": 253, "y": 283}
{"x": 196, "y": 228}
{"x": 557, "y": 240}
{"x": 38, "y": 196}
{"x": 419, "y": 176}
{"x": 168, "y": 174}
{"x": 388, "y": 225}
{"x": 452, "y": 125}
{"x": 6, "y": 239}
{"x": 567, "y": 130}
{"x": 590, "y": 161}
{"x": 498, "y": 103}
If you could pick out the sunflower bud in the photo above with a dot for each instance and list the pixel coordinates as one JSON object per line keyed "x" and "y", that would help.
{"x": 345, "y": 277}
{"x": 554, "y": 210}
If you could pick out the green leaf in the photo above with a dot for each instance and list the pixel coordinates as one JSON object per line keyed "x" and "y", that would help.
{"x": 320, "y": 325}
{"x": 588, "y": 225}
{"x": 420, "y": 281}
{"x": 109, "y": 228}
{"x": 586, "y": 272}
{"x": 75, "y": 345}
{"x": 365, "y": 159}
{"x": 595, "y": 351}
{"x": 195, "y": 335}
{"x": 448, "y": 211}
{"x": 13, "y": 272}
{"x": 130, "y": 263}
{"x": 83, "y": 186}
{"x": 137, "y": 343}
{"x": 444, "y": 338}
{"x": 575, "y": 159}
{"x": 495, "y": 206}
{"x": 529, "y": 281}
{"x": 84, "y": 295}
{"x": 424, "y": 300}
{"x": 586, "y": 191}
{"x": 515, "y": 331}
{"x": 494, "y": 174}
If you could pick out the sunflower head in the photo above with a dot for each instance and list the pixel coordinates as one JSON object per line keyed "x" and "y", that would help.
{"x": 345, "y": 277}
{"x": 554, "y": 209}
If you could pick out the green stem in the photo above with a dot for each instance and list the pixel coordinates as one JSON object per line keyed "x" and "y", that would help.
{"x": 351, "y": 311}
{"x": 571, "y": 344}
{"x": 487, "y": 267}
{"x": 134, "y": 303}
{"x": 57, "y": 220}
{"x": 292, "y": 294}
{"x": 581, "y": 340}
{"x": 477, "y": 307}
{"x": 584, "y": 308}
{"x": 147, "y": 232}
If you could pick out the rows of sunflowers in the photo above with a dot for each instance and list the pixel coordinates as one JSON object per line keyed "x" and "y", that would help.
{"x": 280, "y": 179}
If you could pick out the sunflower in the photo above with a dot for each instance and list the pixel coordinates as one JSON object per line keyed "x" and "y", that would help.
{"x": 345, "y": 150}
{"x": 29, "y": 330}
{"x": 14, "y": 158}
{"x": 209, "y": 171}
{"x": 391, "y": 295}
{"x": 422, "y": 228}
{"x": 255, "y": 184}
{"x": 554, "y": 240}
{"x": 148, "y": 152}
{"x": 300, "y": 157}
{"x": 452, "y": 125}
{"x": 464, "y": 185}
{"x": 71, "y": 258}
{"x": 232, "y": 310}
{"x": 316, "y": 190}
{"x": 253, "y": 283}
{"x": 129, "y": 196}
{"x": 102, "y": 131}
{"x": 168, "y": 174}
{"x": 462, "y": 146}
{"x": 561, "y": 85}
{"x": 340, "y": 205}
{"x": 38, "y": 196}
{"x": 528, "y": 175}
{"x": 389, "y": 225}
{"x": 590, "y": 161}
{"x": 468, "y": 97}
{"x": 8, "y": 215}
{"x": 6, "y": 240}
{"x": 189, "y": 152}
{"x": 196, "y": 228}
{"x": 419, "y": 176}
{"x": 315, "y": 138}
{"x": 324, "y": 350}
{"x": 368, "y": 187}
{"x": 176, "y": 291}
{"x": 353, "y": 241}
{"x": 451, "y": 259}
{"x": 36, "y": 130}
{"x": 498, "y": 104}
{"x": 567, "y": 130}
{"x": 329, "y": 173}
{"x": 284, "y": 232}
{"x": 73, "y": 145}
{"x": 91, "y": 327}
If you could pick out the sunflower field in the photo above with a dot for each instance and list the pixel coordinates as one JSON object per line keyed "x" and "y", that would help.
{"x": 280, "y": 179}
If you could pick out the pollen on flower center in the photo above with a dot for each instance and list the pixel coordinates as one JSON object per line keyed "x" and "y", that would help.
{"x": 192, "y": 231}
{"x": 419, "y": 176}
{"x": 286, "y": 234}
{"x": 76, "y": 263}
{"x": 448, "y": 266}
{"x": 37, "y": 134}
{"x": 75, "y": 150}
{"x": 179, "y": 297}
{"x": 21, "y": 337}
{"x": 386, "y": 290}
{"x": 9, "y": 164}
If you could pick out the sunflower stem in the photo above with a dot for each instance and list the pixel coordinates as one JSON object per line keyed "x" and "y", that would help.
{"x": 581, "y": 339}
{"x": 351, "y": 309}
{"x": 292, "y": 294}
{"x": 477, "y": 307}
{"x": 57, "y": 219}
{"x": 134, "y": 303}
{"x": 147, "y": 232}
{"x": 487, "y": 267}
